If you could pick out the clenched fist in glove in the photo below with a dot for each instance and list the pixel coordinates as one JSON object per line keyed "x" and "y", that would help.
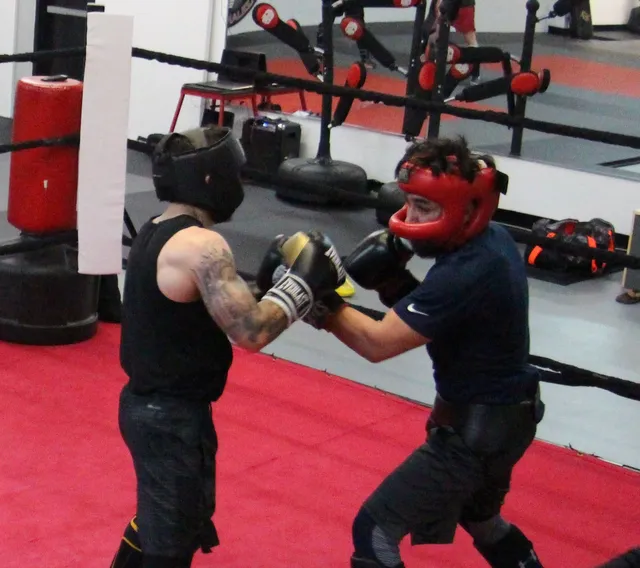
{"x": 379, "y": 263}
{"x": 271, "y": 263}
{"x": 315, "y": 269}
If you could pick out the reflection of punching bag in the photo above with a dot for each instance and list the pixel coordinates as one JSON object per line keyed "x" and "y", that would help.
{"x": 581, "y": 22}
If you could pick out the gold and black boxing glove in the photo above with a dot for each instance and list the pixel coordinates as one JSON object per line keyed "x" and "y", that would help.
{"x": 315, "y": 270}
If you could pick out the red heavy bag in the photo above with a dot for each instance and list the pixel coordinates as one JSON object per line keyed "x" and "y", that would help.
{"x": 43, "y": 182}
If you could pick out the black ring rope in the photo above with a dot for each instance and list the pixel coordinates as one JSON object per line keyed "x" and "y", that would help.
{"x": 318, "y": 87}
{"x": 70, "y": 140}
{"x": 551, "y": 371}
{"x": 398, "y": 101}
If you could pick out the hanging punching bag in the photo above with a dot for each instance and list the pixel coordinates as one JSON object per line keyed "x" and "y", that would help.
{"x": 43, "y": 182}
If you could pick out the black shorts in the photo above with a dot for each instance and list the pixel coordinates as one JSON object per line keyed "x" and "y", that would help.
{"x": 442, "y": 484}
{"x": 173, "y": 444}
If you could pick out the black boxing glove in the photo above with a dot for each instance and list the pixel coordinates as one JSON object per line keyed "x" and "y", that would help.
{"x": 266, "y": 272}
{"x": 315, "y": 271}
{"x": 322, "y": 309}
{"x": 379, "y": 263}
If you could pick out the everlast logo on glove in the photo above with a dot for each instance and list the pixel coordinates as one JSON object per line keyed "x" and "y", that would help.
{"x": 334, "y": 257}
{"x": 315, "y": 270}
{"x": 296, "y": 290}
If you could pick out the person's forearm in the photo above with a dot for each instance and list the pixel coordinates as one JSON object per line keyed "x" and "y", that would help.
{"x": 357, "y": 331}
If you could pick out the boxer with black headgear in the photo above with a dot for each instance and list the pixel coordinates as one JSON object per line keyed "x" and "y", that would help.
{"x": 471, "y": 312}
{"x": 183, "y": 304}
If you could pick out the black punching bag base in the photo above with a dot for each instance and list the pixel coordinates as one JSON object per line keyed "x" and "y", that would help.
{"x": 306, "y": 180}
{"x": 43, "y": 299}
{"x": 390, "y": 200}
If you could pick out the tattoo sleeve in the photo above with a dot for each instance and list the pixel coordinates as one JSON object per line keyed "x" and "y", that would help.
{"x": 231, "y": 303}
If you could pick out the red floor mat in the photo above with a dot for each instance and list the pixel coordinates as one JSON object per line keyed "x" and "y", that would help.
{"x": 299, "y": 450}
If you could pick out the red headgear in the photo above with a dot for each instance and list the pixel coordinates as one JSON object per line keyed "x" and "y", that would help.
{"x": 454, "y": 194}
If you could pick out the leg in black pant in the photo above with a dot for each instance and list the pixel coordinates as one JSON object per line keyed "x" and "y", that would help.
{"x": 630, "y": 559}
{"x": 129, "y": 554}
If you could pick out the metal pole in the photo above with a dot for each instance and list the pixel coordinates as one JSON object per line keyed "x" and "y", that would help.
{"x": 525, "y": 65}
{"x": 324, "y": 148}
{"x": 442, "y": 48}
{"x": 416, "y": 44}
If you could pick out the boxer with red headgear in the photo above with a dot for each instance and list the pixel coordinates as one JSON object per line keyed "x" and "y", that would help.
{"x": 471, "y": 312}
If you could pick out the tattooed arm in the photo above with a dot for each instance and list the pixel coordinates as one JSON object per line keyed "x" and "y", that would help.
{"x": 199, "y": 263}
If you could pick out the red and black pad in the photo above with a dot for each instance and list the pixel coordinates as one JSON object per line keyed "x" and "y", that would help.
{"x": 545, "y": 80}
{"x": 355, "y": 30}
{"x": 427, "y": 76}
{"x": 454, "y": 52}
{"x": 295, "y": 24}
{"x": 266, "y": 17}
{"x": 460, "y": 71}
{"x": 356, "y": 78}
{"x": 456, "y": 74}
{"x": 529, "y": 83}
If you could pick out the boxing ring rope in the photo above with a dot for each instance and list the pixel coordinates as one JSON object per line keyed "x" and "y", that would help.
{"x": 552, "y": 371}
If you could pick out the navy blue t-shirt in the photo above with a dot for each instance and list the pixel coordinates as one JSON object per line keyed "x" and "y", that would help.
{"x": 473, "y": 305}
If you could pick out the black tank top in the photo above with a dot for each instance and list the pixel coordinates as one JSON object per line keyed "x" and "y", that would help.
{"x": 170, "y": 348}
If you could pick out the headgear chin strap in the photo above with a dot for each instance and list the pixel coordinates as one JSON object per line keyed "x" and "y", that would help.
{"x": 454, "y": 195}
{"x": 206, "y": 175}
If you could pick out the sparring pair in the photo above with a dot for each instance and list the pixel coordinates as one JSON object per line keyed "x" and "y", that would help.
{"x": 471, "y": 313}
{"x": 183, "y": 302}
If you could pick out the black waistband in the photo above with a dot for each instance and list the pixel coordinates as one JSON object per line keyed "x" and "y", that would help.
{"x": 486, "y": 428}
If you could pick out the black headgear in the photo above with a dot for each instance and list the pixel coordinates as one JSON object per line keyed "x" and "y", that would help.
{"x": 206, "y": 174}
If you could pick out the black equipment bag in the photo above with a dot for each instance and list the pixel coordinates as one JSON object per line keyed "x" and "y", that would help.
{"x": 596, "y": 233}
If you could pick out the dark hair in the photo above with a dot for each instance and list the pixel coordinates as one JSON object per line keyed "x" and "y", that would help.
{"x": 436, "y": 155}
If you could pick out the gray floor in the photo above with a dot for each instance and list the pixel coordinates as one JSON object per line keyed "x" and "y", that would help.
{"x": 580, "y": 324}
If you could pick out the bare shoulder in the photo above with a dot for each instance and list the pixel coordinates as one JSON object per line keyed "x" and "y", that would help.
{"x": 191, "y": 246}
{"x": 188, "y": 257}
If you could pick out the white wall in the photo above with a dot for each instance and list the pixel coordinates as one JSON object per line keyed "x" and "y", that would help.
{"x": 24, "y": 41}
{"x": 535, "y": 188}
{"x": 8, "y": 16}
{"x": 166, "y": 26}
{"x": 612, "y": 12}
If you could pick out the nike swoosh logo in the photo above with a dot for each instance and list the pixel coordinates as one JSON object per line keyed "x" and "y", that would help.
{"x": 412, "y": 308}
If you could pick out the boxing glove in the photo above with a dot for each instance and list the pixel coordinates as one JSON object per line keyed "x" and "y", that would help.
{"x": 322, "y": 309}
{"x": 379, "y": 263}
{"x": 266, "y": 272}
{"x": 315, "y": 269}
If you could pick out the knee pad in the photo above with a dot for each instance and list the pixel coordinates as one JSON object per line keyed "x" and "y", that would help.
{"x": 514, "y": 550}
{"x": 373, "y": 548}
{"x": 487, "y": 532}
{"x": 129, "y": 554}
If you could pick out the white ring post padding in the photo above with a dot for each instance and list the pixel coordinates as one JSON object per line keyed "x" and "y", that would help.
{"x": 102, "y": 168}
